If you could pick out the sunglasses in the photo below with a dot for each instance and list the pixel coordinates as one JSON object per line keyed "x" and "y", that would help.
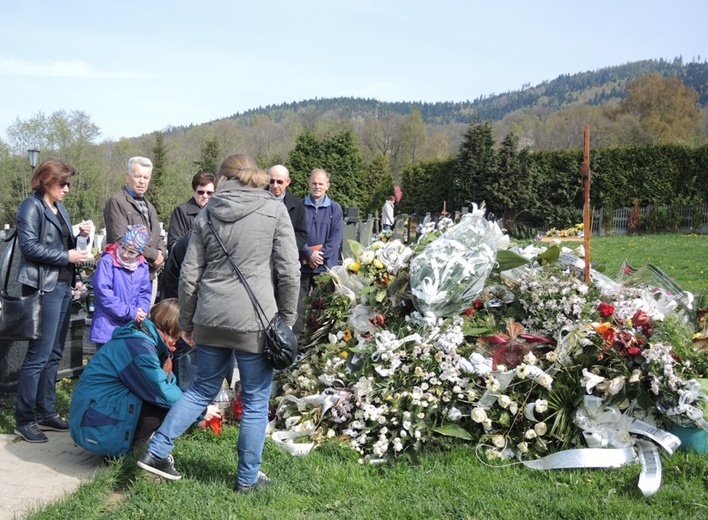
{"x": 277, "y": 181}
{"x": 205, "y": 192}
{"x": 65, "y": 185}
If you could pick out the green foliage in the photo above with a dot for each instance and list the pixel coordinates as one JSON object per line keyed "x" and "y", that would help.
{"x": 476, "y": 166}
{"x": 426, "y": 186}
{"x": 210, "y": 156}
{"x": 306, "y": 156}
{"x": 338, "y": 155}
{"x": 379, "y": 185}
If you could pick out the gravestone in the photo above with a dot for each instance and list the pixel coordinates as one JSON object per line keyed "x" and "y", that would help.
{"x": 12, "y": 353}
{"x": 399, "y": 228}
{"x": 366, "y": 232}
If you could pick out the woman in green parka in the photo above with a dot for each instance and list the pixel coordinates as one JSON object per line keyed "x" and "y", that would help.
{"x": 128, "y": 386}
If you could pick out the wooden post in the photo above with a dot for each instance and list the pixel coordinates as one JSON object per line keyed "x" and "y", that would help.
{"x": 587, "y": 223}
{"x": 444, "y": 211}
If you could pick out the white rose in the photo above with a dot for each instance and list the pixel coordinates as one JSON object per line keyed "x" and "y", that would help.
{"x": 541, "y": 405}
{"x": 478, "y": 415}
{"x": 367, "y": 257}
{"x": 530, "y": 434}
{"x": 499, "y": 441}
{"x": 504, "y": 401}
{"x": 540, "y": 429}
{"x": 545, "y": 381}
{"x": 523, "y": 447}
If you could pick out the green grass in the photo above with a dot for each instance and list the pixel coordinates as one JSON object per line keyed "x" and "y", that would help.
{"x": 448, "y": 481}
{"x": 682, "y": 257}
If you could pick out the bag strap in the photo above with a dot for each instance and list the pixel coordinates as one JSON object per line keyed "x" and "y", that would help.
{"x": 7, "y": 258}
{"x": 256, "y": 304}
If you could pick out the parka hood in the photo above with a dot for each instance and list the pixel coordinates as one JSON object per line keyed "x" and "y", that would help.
{"x": 145, "y": 328}
{"x": 233, "y": 201}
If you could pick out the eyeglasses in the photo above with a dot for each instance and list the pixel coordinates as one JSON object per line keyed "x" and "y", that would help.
{"x": 130, "y": 253}
{"x": 65, "y": 185}
{"x": 205, "y": 192}
{"x": 277, "y": 181}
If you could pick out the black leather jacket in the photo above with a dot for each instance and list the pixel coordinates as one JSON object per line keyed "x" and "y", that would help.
{"x": 39, "y": 236}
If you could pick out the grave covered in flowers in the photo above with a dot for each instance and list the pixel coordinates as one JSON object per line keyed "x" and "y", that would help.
{"x": 462, "y": 336}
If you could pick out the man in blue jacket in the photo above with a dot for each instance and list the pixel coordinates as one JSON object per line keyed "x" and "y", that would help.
{"x": 325, "y": 229}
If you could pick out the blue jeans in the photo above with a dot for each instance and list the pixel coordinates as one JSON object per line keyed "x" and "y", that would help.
{"x": 256, "y": 378}
{"x": 36, "y": 383}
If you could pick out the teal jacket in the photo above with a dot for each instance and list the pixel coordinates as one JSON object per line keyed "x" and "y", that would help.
{"x": 107, "y": 400}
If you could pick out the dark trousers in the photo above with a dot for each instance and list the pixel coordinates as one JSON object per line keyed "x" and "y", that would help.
{"x": 151, "y": 417}
{"x": 36, "y": 382}
{"x": 307, "y": 282}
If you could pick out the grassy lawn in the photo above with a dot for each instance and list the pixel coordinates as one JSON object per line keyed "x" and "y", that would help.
{"x": 447, "y": 481}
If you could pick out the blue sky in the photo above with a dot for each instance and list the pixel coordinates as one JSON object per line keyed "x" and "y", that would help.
{"x": 139, "y": 66}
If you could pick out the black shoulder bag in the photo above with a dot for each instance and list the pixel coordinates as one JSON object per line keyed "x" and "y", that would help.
{"x": 20, "y": 316}
{"x": 281, "y": 343}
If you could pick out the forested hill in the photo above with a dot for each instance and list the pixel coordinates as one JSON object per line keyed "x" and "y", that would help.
{"x": 592, "y": 88}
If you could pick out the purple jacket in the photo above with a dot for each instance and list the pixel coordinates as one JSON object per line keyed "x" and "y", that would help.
{"x": 119, "y": 293}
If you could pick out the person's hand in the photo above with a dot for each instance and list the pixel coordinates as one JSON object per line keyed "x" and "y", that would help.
{"x": 78, "y": 256}
{"x": 159, "y": 260}
{"x": 187, "y": 336}
{"x": 140, "y": 315}
{"x": 317, "y": 258}
{"x": 211, "y": 412}
{"x": 85, "y": 228}
{"x": 167, "y": 367}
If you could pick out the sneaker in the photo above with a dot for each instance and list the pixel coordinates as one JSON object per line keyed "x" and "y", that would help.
{"x": 162, "y": 467}
{"x": 31, "y": 433}
{"x": 54, "y": 424}
{"x": 262, "y": 482}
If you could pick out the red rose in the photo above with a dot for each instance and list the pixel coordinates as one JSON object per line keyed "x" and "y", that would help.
{"x": 634, "y": 351}
{"x": 606, "y": 309}
{"x": 468, "y": 312}
{"x": 640, "y": 319}
{"x": 478, "y": 304}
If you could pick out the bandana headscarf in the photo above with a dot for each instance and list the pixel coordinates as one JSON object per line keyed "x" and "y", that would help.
{"x": 136, "y": 237}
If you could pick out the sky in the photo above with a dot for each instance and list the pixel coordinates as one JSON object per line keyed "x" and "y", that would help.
{"x": 140, "y": 66}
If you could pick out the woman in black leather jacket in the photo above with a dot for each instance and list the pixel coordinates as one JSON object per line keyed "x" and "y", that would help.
{"x": 49, "y": 253}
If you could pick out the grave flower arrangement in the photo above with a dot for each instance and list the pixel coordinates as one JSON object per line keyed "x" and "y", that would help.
{"x": 461, "y": 336}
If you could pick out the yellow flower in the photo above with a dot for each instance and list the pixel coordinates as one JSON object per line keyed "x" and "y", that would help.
{"x": 354, "y": 267}
{"x": 378, "y": 264}
{"x": 347, "y": 335}
{"x": 344, "y": 354}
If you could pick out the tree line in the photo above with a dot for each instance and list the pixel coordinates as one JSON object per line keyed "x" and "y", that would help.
{"x": 433, "y": 164}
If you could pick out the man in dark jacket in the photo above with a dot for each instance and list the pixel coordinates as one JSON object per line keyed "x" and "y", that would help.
{"x": 129, "y": 207}
{"x": 279, "y": 180}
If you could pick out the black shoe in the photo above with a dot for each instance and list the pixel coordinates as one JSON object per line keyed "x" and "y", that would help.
{"x": 162, "y": 467}
{"x": 30, "y": 432}
{"x": 262, "y": 482}
{"x": 54, "y": 424}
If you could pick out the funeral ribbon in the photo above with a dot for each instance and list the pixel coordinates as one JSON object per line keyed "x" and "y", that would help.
{"x": 612, "y": 442}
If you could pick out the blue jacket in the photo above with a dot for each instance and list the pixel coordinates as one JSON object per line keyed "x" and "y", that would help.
{"x": 325, "y": 227}
{"x": 119, "y": 294}
{"x": 107, "y": 400}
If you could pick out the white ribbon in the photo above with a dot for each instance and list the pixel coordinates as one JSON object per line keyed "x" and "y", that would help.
{"x": 284, "y": 438}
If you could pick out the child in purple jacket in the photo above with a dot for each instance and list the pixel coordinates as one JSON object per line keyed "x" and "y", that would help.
{"x": 121, "y": 285}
